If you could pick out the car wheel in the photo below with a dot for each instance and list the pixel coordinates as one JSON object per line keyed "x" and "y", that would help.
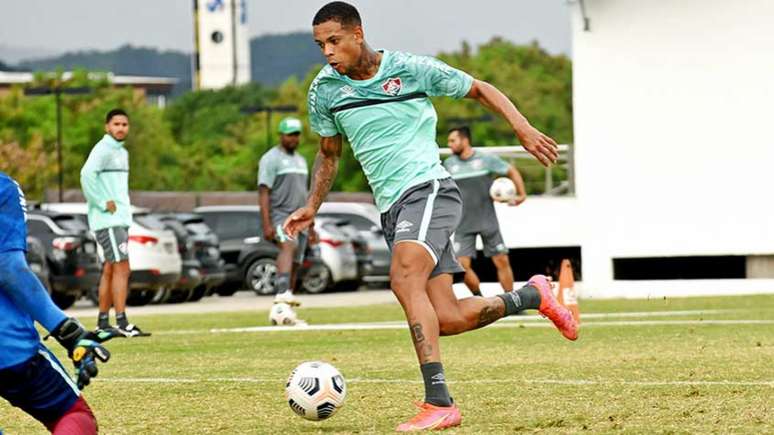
{"x": 226, "y": 289}
{"x": 161, "y": 296}
{"x": 197, "y": 293}
{"x": 63, "y": 300}
{"x": 316, "y": 279}
{"x": 138, "y": 298}
{"x": 177, "y": 296}
{"x": 260, "y": 276}
{"x": 347, "y": 286}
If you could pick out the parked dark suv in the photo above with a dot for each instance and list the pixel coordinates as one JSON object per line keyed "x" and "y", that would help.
{"x": 203, "y": 267}
{"x": 251, "y": 260}
{"x": 36, "y": 260}
{"x": 71, "y": 254}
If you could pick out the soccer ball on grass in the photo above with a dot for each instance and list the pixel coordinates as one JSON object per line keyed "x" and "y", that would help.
{"x": 315, "y": 390}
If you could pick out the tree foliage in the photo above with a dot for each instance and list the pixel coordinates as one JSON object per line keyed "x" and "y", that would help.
{"x": 206, "y": 140}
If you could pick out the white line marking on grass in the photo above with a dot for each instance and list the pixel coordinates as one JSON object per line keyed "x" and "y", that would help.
{"x": 525, "y": 320}
{"x": 573, "y": 382}
{"x": 402, "y": 325}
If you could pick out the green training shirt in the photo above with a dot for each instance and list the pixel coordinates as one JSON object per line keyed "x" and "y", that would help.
{"x": 388, "y": 119}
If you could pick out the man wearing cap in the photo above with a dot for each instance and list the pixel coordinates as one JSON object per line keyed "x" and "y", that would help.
{"x": 283, "y": 180}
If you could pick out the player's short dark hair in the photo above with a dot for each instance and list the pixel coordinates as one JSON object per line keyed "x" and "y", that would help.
{"x": 115, "y": 112}
{"x": 340, "y": 12}
{"x": 463, "y": 131}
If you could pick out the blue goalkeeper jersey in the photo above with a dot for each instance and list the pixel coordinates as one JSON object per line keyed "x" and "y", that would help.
{"x": 23, "y": 299}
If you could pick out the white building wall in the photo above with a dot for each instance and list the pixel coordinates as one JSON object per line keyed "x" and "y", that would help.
{"x": 221, "y": 56}
{"x": 673, "y": 106}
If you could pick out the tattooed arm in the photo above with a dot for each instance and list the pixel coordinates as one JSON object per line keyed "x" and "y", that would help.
{"x": 326, "y": 165}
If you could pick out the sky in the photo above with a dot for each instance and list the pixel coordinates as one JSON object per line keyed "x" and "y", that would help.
{"x": 32, "y": 28}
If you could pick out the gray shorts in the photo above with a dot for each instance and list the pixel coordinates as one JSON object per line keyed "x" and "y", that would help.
{"x": 427, "y": 214}
{"x": 465, "y": 243}
{"x": 113, "y": 244}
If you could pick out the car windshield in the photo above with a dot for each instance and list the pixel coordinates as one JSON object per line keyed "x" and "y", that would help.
{"x": 70, "y": 223}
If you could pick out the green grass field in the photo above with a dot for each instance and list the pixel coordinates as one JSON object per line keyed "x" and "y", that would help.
{"x": 653, "y": 372}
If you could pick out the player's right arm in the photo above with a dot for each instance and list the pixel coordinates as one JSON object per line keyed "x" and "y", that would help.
{"x": 90, "y": 183}
{"x": 22, "y": 287}
{"x": 266, "y": 177}
{"x": 263, "y": 201}
{"x": 326, "y": 165}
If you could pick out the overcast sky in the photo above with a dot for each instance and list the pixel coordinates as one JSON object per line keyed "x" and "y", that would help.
{"x": 421, "y": 26}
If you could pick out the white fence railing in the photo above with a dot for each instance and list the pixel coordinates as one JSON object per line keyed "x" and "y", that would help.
{"x": 564, "y": 184}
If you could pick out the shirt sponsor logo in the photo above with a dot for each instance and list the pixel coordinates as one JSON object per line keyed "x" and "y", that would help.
{"x": 392, "y": 86}
{"x": 403, "y": 227}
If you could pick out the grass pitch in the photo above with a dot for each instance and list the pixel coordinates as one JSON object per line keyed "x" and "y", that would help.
{"x": 694, "y": 365}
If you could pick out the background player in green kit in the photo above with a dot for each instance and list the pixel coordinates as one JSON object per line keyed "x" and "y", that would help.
{"x": 380, "y": 101}
{"x": 283, "y": 178}
{"x": 473, "y": 171}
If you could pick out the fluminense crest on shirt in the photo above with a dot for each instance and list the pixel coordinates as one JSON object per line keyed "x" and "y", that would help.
{"x": 392, "y": 86}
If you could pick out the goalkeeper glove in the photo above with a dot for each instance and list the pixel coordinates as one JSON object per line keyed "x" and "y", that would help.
{"x": 83, "y": 348}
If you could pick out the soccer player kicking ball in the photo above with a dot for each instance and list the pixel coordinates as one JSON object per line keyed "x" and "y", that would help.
{"x": 31, "y": 378}
{"x": 380, "y": 101}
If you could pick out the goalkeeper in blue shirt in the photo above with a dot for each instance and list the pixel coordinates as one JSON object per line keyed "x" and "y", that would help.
{"x": 31, "y": 377}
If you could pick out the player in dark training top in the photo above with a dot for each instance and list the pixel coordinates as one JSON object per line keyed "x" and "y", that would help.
{"x": 473, "y": 172}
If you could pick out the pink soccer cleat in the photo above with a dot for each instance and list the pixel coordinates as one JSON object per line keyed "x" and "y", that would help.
{"x": 432, "y": 417}
{"x": 553, "y": 310}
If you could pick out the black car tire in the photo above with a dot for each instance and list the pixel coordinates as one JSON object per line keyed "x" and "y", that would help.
{"x": 260, "y": 275}
{"x": 226, "y": 289}
{"x": 347, "y": 286}
{"x": 177, "y": 296}
{"x": 197, "y": 293}
{"x": 138, "y": 298}
{"x": 63, "y": 300}
{"x": 317, "y": 279}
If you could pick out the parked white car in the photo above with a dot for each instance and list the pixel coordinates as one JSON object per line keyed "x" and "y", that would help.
{"x": 154, "y": 260}
{"x": 338, "y": 254}
{"x": 367, "y": 220}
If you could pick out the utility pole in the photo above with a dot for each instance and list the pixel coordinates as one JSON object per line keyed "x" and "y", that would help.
{"x": 57, "y": 91}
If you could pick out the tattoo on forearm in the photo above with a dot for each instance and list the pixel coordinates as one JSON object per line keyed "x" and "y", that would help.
{"x": 325, "y": 168}
{"x": 488, "y": 314}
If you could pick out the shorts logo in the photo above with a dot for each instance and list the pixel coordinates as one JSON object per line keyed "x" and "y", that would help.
{"x": 501, "y": 248}
{"x": 123, "y": 248}
{"x": 403, "y": 227}
{"x": 392, "y": 86}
